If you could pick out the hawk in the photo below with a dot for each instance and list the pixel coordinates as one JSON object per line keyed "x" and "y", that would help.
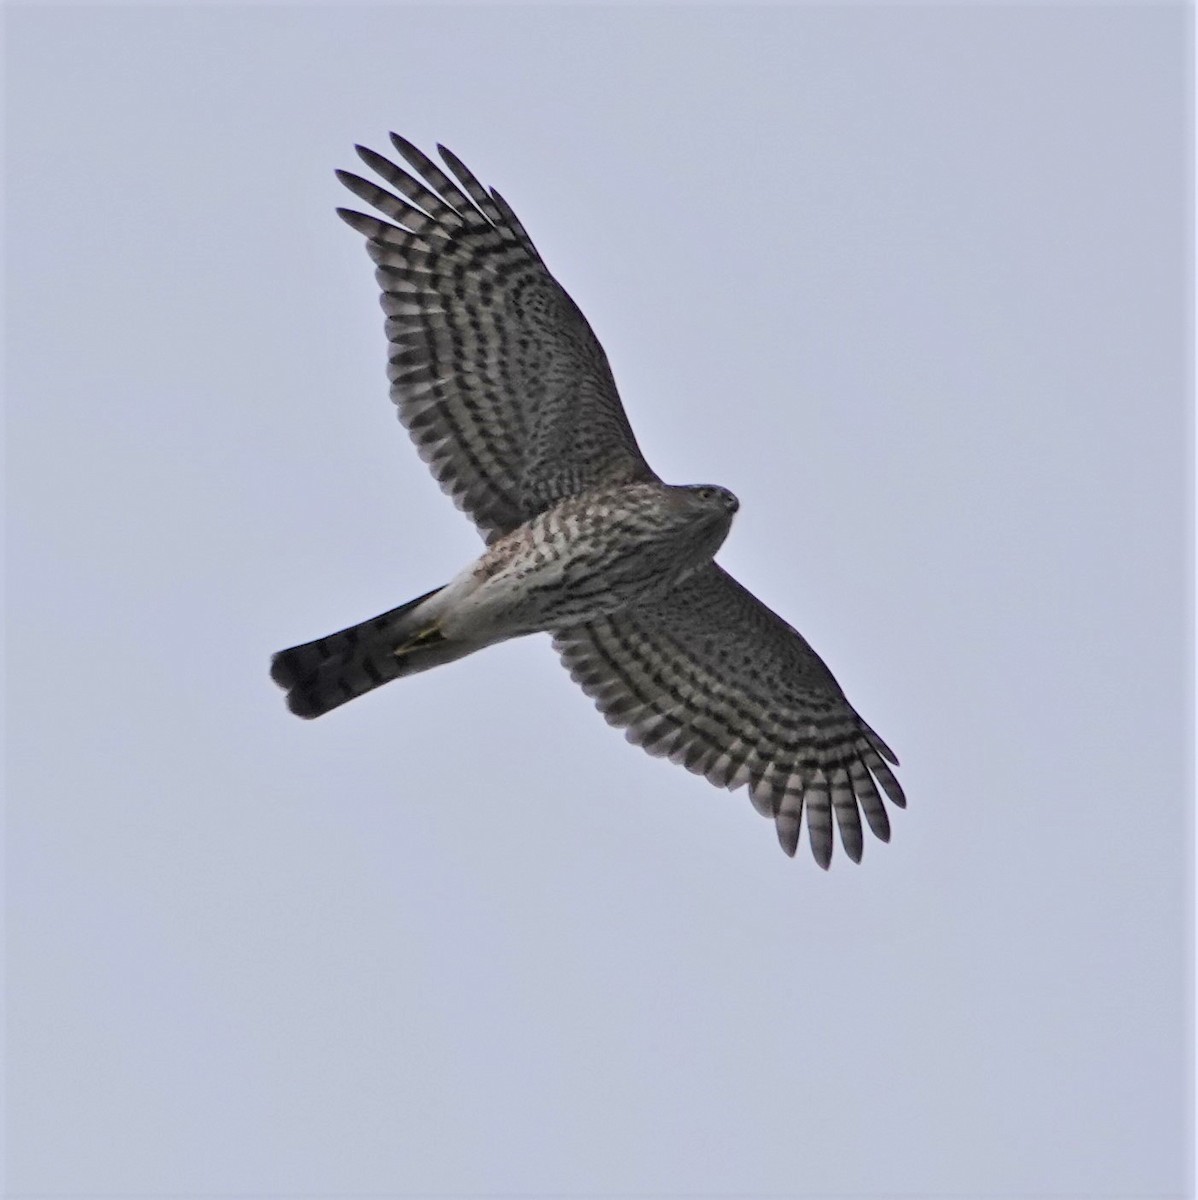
{"x": 509, "y": 398}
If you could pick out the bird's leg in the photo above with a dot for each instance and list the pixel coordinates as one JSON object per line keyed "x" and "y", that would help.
{"x": 430, "y": 635}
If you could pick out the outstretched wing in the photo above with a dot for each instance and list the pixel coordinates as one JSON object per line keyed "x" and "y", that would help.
{"x": 714, "y": 680}
{"x": 497, "y": 375}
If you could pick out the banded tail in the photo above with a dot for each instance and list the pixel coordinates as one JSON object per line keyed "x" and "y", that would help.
{"x": 322, "y": 675}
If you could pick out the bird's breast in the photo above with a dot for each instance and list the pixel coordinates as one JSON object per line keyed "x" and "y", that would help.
{"x": 581, "y": 560}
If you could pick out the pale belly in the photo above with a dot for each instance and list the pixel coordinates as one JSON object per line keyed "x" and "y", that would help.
{"x": 568, "y": 566}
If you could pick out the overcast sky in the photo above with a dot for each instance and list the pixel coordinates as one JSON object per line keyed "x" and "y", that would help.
{"x": 912, "y": 282}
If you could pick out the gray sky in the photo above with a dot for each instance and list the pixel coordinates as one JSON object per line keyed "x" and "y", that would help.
{"x": 912, "y": 282}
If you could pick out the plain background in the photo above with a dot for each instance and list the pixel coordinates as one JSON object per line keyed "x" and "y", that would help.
{"x": 913, "y": 282}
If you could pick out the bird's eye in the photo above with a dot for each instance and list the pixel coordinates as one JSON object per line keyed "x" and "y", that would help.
{"x": 719, "y": 495}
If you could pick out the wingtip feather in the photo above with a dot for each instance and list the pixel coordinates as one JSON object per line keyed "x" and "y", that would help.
{"x": 413, "y": 154}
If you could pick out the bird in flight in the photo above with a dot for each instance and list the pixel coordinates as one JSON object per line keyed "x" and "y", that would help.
{"x": 509, "y": 398}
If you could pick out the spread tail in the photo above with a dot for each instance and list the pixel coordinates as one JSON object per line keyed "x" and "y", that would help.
{"x": 322, "y": 675}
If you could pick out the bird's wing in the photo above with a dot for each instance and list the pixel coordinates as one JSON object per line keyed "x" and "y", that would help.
{"x": 497, "y": 375}
{"x": 714, "y": 680}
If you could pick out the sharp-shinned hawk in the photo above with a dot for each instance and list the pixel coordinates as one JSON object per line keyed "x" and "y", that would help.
{"x": 509, "y": 398}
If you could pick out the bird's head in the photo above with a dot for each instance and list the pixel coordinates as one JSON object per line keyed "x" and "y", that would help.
{"x": 712, "y": 508}
{"x": 715, "y": 498}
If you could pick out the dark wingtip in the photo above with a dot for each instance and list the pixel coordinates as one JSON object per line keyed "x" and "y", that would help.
{"x": 884, "y": 750}
{"x": 454, "y": 163}
{"x": 405, "y": 147}
{"x": 356, "y": 220}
